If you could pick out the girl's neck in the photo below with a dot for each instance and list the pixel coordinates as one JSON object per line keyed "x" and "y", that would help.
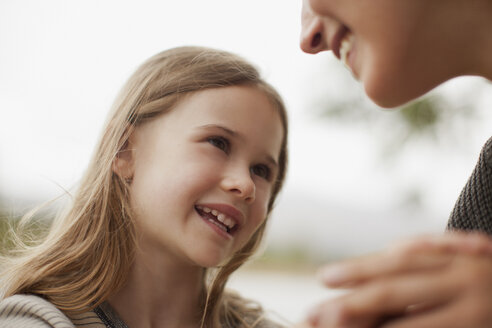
{"x": 160, "y": 292}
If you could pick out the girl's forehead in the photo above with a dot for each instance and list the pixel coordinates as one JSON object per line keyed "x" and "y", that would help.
{"x": 227, "y": 101}
{"x": 241, "y": 109}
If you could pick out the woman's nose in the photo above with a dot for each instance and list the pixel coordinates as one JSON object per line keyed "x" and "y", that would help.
{"x": 312, "y": 34}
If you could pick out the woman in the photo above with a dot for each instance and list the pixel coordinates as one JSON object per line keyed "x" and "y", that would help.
{"x": 399, "y": 50}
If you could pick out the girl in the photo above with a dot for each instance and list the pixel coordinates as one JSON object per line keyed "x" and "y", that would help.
{"x": 174, "y": 200}
{"x": 399, "y": 50}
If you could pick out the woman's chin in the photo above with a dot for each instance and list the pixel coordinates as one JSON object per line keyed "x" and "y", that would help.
{"x": 391, "y": 94}
{"x": 389, "y": 88}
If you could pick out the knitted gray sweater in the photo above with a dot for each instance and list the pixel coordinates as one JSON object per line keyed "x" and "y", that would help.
{"x": 473, "y": 210}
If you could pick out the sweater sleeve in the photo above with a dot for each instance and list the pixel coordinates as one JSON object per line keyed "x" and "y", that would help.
{"x": 29, "y": 311}
{"x": 473, "y": 210}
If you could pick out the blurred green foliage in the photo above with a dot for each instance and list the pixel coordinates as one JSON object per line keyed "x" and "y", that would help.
{"x": 437, "y": 123}
{"x": 439, "y": 116}
{"x": 421, "y": 114}
{"x": 433, "y": 117}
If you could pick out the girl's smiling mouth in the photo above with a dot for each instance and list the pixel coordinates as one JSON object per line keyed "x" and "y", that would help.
{"x": 226, "y": 222}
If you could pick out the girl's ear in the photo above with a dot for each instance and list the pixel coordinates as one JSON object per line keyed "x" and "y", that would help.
{"x": 123, "y": 162}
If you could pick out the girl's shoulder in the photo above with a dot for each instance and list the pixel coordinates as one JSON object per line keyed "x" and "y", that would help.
{"x": 31, "y": 311}
{"x": 35, "y": 312}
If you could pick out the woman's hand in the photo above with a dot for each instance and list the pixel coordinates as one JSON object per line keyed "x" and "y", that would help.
{"x": 434, "y": 282}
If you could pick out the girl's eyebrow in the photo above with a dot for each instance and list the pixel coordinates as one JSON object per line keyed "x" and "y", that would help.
{"x": 223, "y": 128}
{"x": 232, "y": 133}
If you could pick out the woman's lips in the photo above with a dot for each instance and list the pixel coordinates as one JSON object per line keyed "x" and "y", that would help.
{"x": 346, "y": 47}
{"x": 337, "y": 40}
{"x": 348, "y": 54}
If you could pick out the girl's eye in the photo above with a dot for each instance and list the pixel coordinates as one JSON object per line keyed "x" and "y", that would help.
{"x": 220, "y": 142}
{"x": 262, "y": 171}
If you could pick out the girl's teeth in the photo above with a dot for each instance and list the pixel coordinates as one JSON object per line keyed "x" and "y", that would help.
{"x": 228, "y": 222}
{"x": 224, "y": 219}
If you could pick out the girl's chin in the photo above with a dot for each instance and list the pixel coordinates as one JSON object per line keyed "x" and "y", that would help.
{"x": 210, "y": 261}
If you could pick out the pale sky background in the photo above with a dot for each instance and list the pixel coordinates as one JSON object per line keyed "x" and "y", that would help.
{"x": 62, "y": 63}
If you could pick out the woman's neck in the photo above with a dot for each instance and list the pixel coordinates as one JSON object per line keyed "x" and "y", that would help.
{"x": 160, "y": 291}
{"x": 483, "y": 48}
{"x": 471, "y": 29}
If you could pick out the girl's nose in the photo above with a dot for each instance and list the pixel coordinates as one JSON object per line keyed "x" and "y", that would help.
{"x": 240, "y": 183}
{"x": 312, "y": 33}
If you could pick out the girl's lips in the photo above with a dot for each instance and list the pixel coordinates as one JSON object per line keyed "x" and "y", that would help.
{"x": 223, "y": 218}
{"x": 337, "y": 39}
{"x": 217, "y": 228}
{"x": 235, "y": 214}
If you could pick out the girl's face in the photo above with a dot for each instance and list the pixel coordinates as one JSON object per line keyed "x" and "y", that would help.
{"x": 203, "y": 174}
{"x": 392, "y": 46}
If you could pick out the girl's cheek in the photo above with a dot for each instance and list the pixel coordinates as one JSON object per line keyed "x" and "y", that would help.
{"x": 261, "y": 213}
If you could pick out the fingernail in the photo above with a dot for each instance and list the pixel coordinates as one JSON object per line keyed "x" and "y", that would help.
{"x": 333, "y": 275}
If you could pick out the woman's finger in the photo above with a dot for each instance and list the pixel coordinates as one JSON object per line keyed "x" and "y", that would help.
{"x": 473, "y": 243}
{"x": 465, "y": 283}
{"x": 426, "y": 253}
{"x": 380, "y": 266}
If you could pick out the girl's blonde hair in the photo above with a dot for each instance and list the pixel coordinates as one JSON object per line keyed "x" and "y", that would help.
{"x": 89, "y": 249}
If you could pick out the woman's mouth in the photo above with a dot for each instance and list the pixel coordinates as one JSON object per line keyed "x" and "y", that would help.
{"x": 337, "y": 39}
{"x": 343, "y": 44}
{"x": 346, "y": 46}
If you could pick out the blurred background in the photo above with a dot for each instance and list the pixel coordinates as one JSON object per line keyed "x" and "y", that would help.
{"x": 360, "y": 177}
